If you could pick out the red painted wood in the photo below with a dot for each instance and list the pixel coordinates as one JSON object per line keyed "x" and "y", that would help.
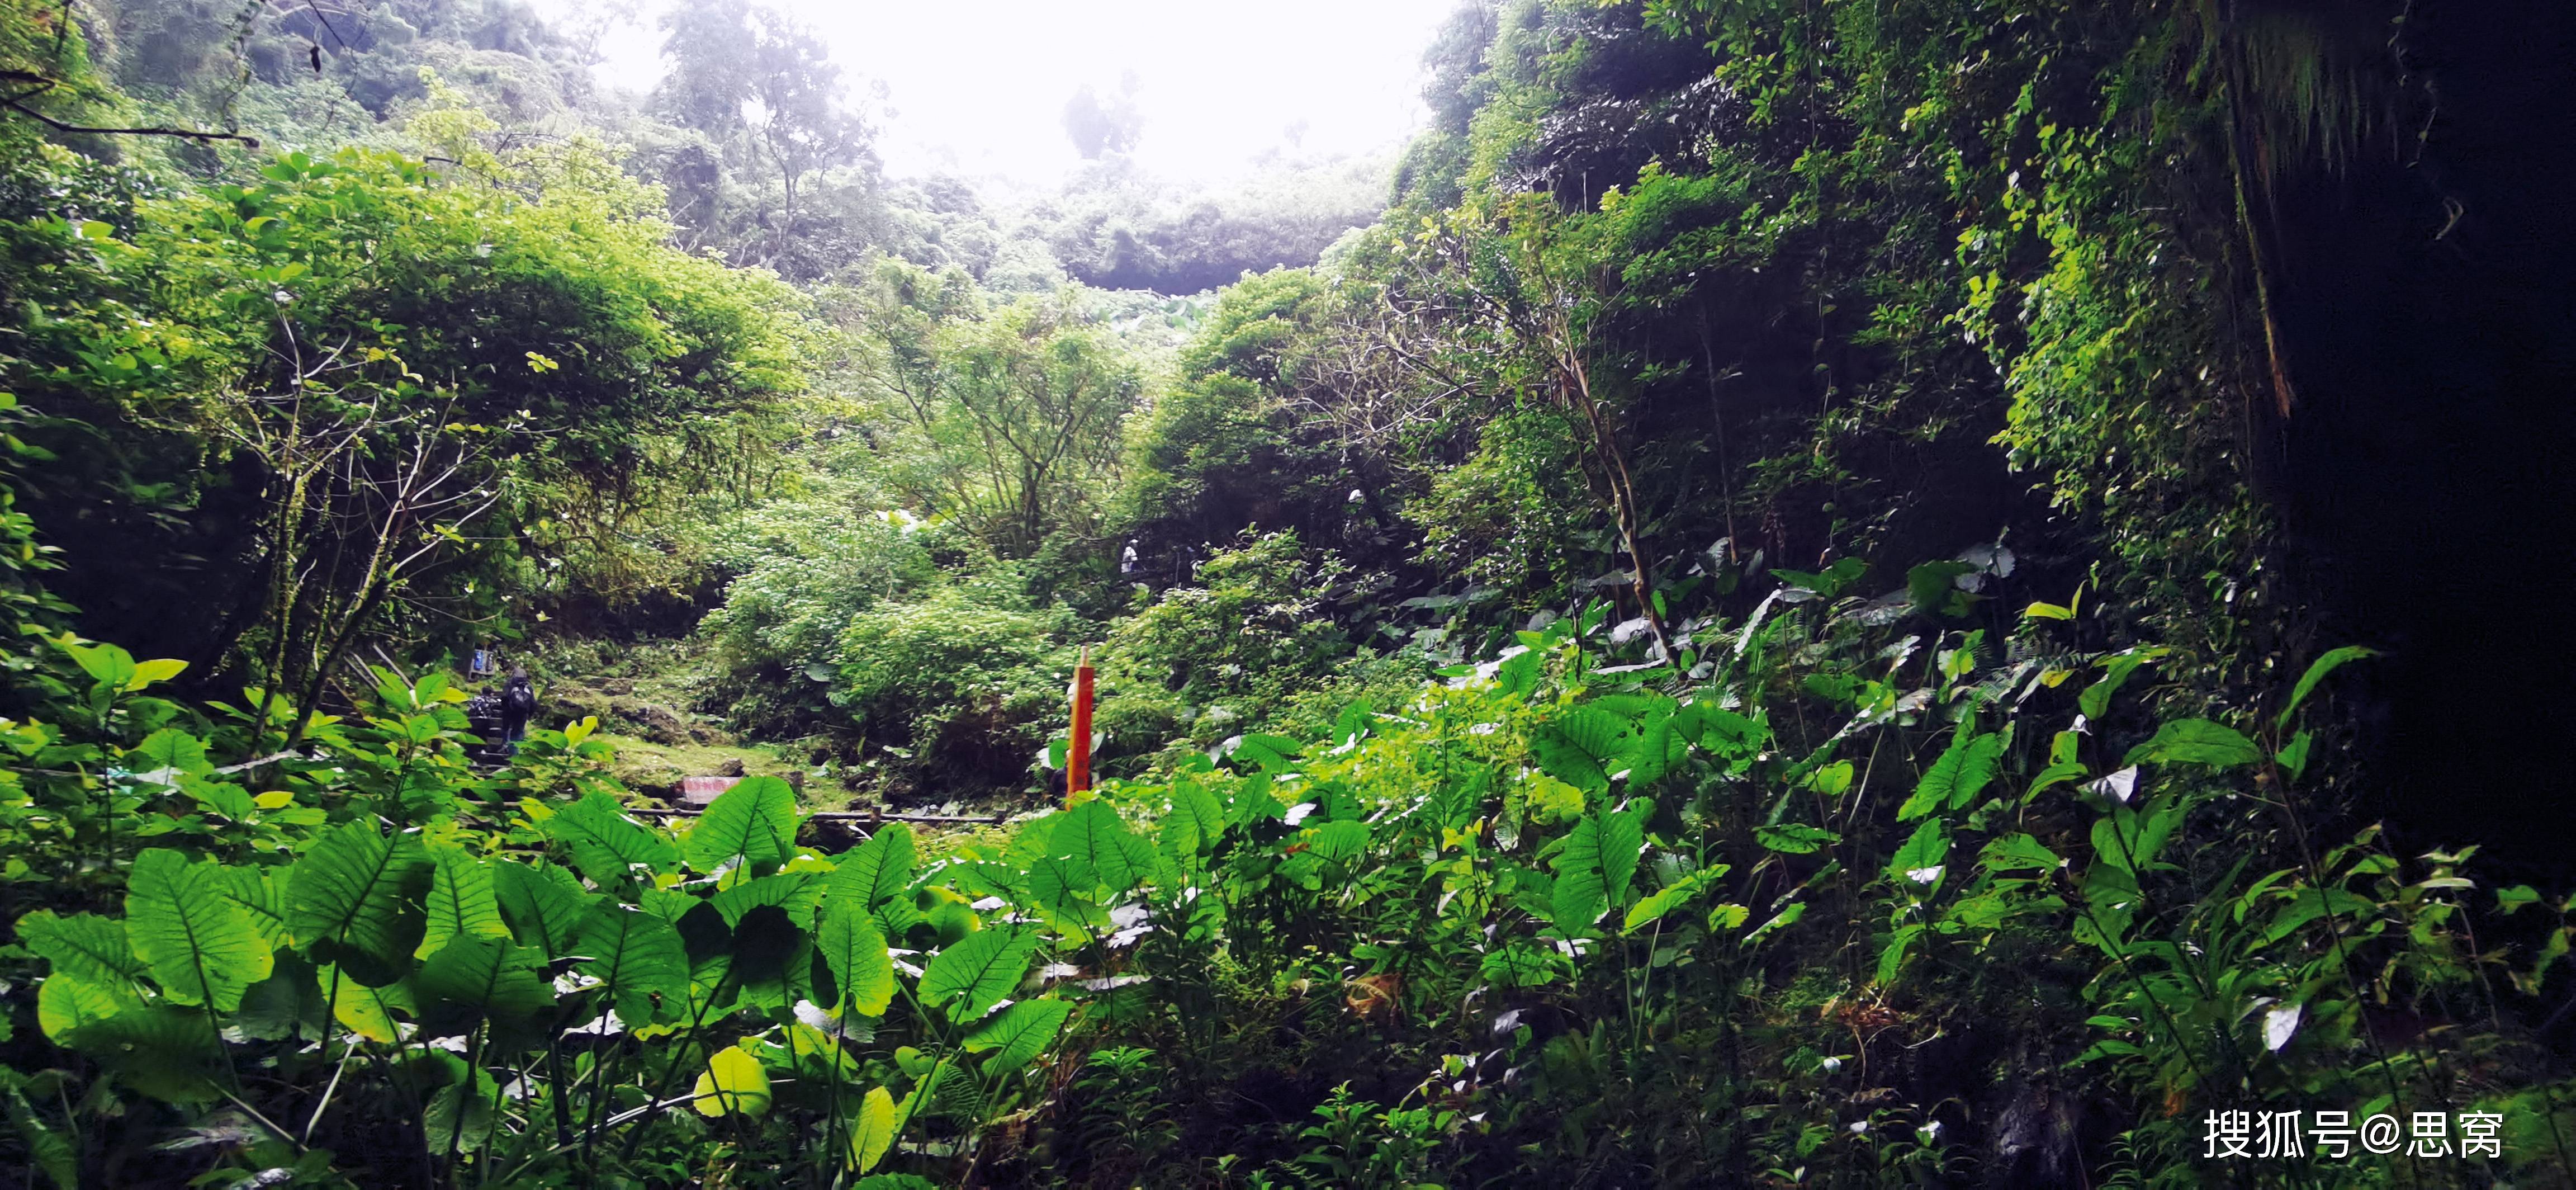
{"x": 1077, "y": 768}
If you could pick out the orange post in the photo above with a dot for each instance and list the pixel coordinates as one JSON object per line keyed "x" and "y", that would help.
{"x": 1077, "y": 766}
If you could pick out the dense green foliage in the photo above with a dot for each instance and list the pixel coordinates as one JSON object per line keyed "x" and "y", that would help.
{"x": 1733, "y": 637}
{"x": 1541, "y": 896}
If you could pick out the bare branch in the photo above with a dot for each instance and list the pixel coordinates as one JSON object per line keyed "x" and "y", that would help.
{"x": 193, "y": 134}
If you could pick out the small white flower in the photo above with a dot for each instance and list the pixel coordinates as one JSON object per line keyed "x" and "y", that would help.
{"x": 1924, "y": 875}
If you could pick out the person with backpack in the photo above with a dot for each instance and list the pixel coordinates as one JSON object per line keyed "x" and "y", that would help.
{"x": 518, "y": 705}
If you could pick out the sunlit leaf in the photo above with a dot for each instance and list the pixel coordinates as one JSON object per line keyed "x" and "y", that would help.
{"x": 733, "y": 1082}
{"x": 1018, "y": 1034}
{"x": 753, "y": 823}
{"x": 199, "y": 945}
{"x": 462, "y": 900}
{"x": 637, "y": 958}
{"x": 872, "y": 1133}
{"x": 606, "y": 844}
{"x": 876, "y": 870}
{"x": 355, "y": 900}
{"x": 857, "y": 956}
{"x": 976, "y": 972}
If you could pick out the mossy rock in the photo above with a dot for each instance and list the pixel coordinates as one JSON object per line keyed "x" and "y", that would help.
{"x": 652, "y": 767}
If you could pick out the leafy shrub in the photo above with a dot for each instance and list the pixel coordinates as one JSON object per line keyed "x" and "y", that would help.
{"x": 963, "y": 678}
{"x": 1514, "y": 516}
{"x": 1215, "y": 659}
{"x": 804, "y": 567}
{"x": 1703, "y": 923}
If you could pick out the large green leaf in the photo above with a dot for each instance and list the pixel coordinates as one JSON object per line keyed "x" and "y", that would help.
{"x": 857, "y": 955}
{"x": 66, "y": 1002}
{"x": 1933, "y": 587}
{"x": 732, "y": 1082}
{"x": 261, "y": 892}
{"x": 1582, "y": 747}
{"x": 606, "y": 844}
{"x": 462, "y": 900}
{"x": 637, "y": 958}
{"x": 795, "y": 892}
{"x": 1063, "y": 891}
{"x": 461, "y": 1112}
{"x": 2197, "y": 741}
{"x": 773, "y": 958}
{"x": 1273, "y": 753}
{"x": 873, "y": 1132}
{"x": 200, "y": 946}
{"x": 1917, "y": 865}
{"x": 876, "y": 870}
{"x": 1092, "y": 836}
{"x": 977, "y": 972}
{"x": 48, "y": 1149}
{"x": 476, "y": 978}
{"x": 366, "y": 1011}
{"x": 1194, "y": 824}
{"x": 1576, "y": 903}
{"x": 1963, "y": 771}
{"x": 543, "y": 904}
{"x": 163, "y": 1051}
{"x": 1662, "y": 740}
{"x": 754, "y": 823}
{"x": 1339, "y": 842}
{"x": 85, "y": 945}
{"x": 173, "y": 749}
{"x": 1600, "y": 860}
{"x": 354, "y": 901}
{"x": 1018, "y": 1034}
{"x": 2096, "y": 699}
{"x": 2017, "y": 852}
{"x": 1653, "y": 907}
{"x": 2317, "y": 671}
{"x": 1722, "y": 732}
{"x": 290, "y": 1002}
{"x": 112, "y": 666}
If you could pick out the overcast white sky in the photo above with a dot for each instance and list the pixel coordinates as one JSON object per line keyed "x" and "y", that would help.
{"x": 980, "y": 88}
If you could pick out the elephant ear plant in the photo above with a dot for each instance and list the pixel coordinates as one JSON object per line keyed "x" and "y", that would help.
{"x": 1566, "y": 891}
{"x": 431, "y": 984}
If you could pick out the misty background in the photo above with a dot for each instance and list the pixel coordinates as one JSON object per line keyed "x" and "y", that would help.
{"x": 1140, "y": 145}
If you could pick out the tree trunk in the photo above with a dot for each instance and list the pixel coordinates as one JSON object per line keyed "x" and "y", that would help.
{"x": 1623, "y": 496}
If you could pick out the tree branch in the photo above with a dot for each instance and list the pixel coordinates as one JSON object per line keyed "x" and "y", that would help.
{"x": 182, "y": 133}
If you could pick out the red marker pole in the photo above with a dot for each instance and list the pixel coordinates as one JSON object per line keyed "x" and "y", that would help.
{"x": 1077, "y": 767}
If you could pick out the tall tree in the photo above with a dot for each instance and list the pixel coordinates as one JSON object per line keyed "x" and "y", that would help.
{"x": 796, "y": 108}
{"x": 1009, "y": 420}
{"x": 761, "y": 86}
